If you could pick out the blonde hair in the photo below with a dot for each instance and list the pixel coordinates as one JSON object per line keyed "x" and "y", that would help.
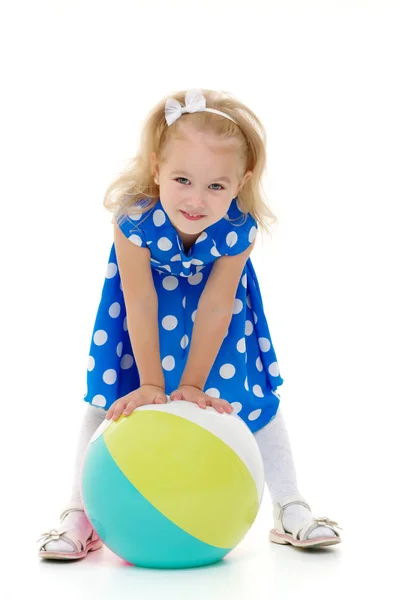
{"x": 136, "y": 182}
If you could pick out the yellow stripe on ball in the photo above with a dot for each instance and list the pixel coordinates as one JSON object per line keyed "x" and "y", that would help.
{"x": 190, "y": 475}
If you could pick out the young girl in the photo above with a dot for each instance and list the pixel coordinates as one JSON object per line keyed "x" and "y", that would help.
{"x": 181, "y": 315}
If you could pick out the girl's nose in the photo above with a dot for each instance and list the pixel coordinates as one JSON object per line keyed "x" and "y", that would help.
{"x": 196, "y": 202}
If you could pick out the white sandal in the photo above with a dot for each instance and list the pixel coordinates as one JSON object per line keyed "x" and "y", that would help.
{"x": 279, "y": 535}
{"x": 70, "y": 536}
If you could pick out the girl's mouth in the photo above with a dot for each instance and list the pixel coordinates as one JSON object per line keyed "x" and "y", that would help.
{"x": 192, "y": 218}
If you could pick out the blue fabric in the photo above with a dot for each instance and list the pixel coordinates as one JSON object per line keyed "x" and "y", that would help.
{"x": 245, "y": 372}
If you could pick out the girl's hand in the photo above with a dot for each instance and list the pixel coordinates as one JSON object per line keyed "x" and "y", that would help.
{"x": 145, "y": 394}
{"x": 194, "y": 394}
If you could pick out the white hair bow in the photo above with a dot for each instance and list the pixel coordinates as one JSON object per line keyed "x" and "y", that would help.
{"x": 194, "y": 102}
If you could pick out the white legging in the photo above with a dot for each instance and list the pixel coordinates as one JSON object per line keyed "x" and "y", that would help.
{"x": 273, "y": 441}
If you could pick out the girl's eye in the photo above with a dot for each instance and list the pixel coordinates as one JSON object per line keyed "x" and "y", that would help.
{"x": 220, "y": 186}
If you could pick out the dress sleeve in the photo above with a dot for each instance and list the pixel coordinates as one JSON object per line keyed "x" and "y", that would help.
{"x": 131, "y": 227}
{"x": 239, "y": 236}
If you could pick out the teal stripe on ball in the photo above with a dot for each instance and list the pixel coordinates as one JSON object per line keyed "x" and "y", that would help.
{"x": 129, "y": 525}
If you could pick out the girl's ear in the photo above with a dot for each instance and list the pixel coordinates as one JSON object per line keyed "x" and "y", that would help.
{"x": 244, "y": 180}
{"x": 154, "y": 163}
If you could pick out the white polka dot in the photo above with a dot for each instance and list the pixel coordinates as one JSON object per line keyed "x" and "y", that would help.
{"x": 227, "y": 371}
{"x": 126, "y": 361}
{"x": 164, "y": 243}
{"x": 176, "y": 257}
{"x": 159, "y": 217}
{"x": 203, "y": 236}
{"x": 195, "y": 279}
{"x": 273, "y": 369}
{"x": 136, "y": 216}
{"x": 255, "y": 317}
{"x": 248, "y": 301}
{"x": 249, "y": 327}
{"x": 197, "y": 261}
{"x": 259, "y": 364}
{"x": 110, "y": 376}
{"x": 252, "y": 234}
{"x": 155, "y": 261}
{"x": 135, "y": 239}
{"x": 90, "y": 364}
{"x": 231, "y": 239}
{"x": 166, "y": 267}
{"x": 257, "y": 391}
{"x": 244, "y": 280}
{"x": 186, "y": 263}
{"x": 194, "y": 315}
{"x": 170, "y": 283}
{"x": 125, "y": 324}
{"x": 264, "y": 344}
{"x": 184, "y": 302}
{"x": 184, "y": 341}
{"x": 254, "y": 414}
{"x": 111, "y": 270}
{"x": 169, "y": 322}
{"x": 99, "y": 400}
{"x": 100, "y": 337}
{"x": 237, "y": 407}
{"x": 119, "y": 349}
{"x": 237, "y": 306}
{"x": 114, "y": 310}
{"x": 241, "y": 345}
{"x": 168, "y": 363}
{"x": 246, "y": 385}
{"x": 215, "y": 252}
{"x": 213, "y": 392}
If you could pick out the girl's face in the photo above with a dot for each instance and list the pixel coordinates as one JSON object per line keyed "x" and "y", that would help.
{"x": 198, "y": 177}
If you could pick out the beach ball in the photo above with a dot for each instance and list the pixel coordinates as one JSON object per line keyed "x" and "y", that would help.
{"x": 172, "y": 485}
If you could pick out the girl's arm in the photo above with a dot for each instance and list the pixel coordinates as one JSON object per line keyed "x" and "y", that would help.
{"x": 208, "y": 334}
{"x": 141, "y": 303}
{"x": 214, "y": 313}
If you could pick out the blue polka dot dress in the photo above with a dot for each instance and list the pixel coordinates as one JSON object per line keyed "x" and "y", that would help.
{"x": 245, "y": 372}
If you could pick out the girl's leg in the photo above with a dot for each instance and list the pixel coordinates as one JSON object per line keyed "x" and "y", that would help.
{"x": 92, "y": 419}
{"x": 280, "y": 474}
{"x": 77, "y": 519}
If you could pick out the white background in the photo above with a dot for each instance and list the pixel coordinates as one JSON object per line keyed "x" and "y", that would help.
{"x": 77, "y": 80}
